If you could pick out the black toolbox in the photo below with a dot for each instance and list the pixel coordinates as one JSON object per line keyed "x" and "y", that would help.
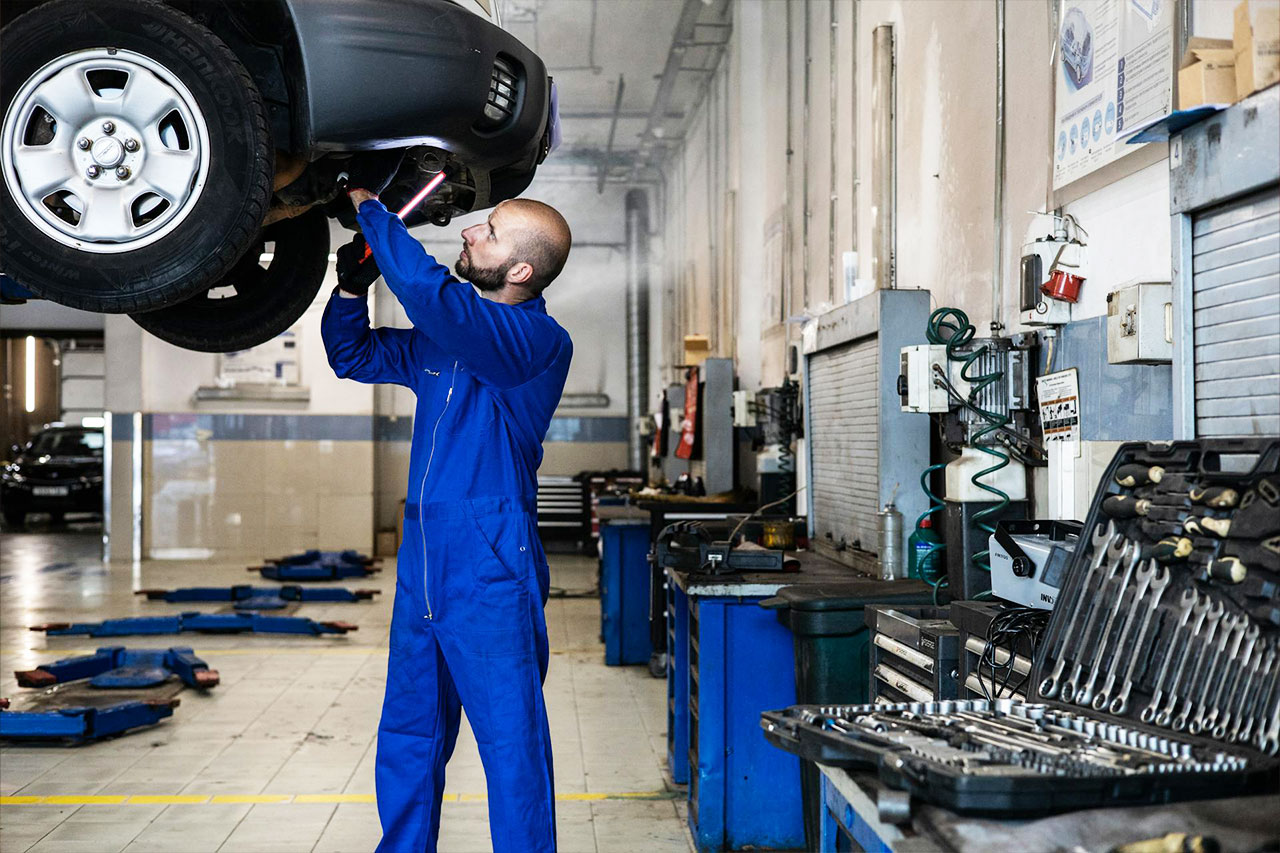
{"x": 1156, "y": 680}
{"x": 913, "y": 653}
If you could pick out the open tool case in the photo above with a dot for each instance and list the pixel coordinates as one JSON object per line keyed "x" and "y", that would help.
{"x": 1156, "y": 680}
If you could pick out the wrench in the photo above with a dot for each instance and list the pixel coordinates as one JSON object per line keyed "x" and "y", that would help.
{"x": 1188, "y": 630}
{"x": 1212, "y": 620}
{"x": 1261, "y": 663}
{"x": 1221, "y": 724}
{"x": 1146, "y": 572}
{"x": 1269, "y": 736}
{"x": 1085, "y": 696}
{"x": 1102, "y": 540}
{"x": 1120, "y": 704}
{"x": 1233, "y": 627}
{"x": 1115, "y": 551}
{"x": 1258, "y": 701}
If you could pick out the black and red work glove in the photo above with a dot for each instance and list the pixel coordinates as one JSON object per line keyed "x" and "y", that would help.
{"x": 372, "y": 171}
{"x": 357, "y": 270}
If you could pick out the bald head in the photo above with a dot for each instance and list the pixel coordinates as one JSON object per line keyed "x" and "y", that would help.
{"x": 541, "y": 239}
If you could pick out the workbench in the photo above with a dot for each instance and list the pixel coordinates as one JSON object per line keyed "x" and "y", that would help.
{"x": 664, "y": 512}
{"x": 729, "y": 659}
{"x": 851, "y": 821}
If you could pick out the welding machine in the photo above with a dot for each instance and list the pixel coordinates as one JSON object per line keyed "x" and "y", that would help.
{"x": 1029, "y": 558}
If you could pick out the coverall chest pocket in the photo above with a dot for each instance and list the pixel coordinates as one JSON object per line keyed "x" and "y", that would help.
{"x": 504, "y": 553}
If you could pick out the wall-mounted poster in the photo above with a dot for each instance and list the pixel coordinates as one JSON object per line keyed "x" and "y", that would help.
{"x": 1114, "y": 71}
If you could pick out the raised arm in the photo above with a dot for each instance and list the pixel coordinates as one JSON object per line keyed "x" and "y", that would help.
{"x": 502, "y": 345}
{"x": 358, "y": 352}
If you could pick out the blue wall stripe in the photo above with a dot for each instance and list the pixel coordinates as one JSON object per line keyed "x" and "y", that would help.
{"x": 222, "y": 427}
{"x": 183, "y": 426}
{"x": 587, "y": 429}
{"x": 1118, "y": 402}
{"x": 122, "y": 426}
{"x": 399, "y": 428}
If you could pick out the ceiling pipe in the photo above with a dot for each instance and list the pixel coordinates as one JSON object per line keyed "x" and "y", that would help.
{"x": 637, "y": 225}
{"x": 884, "y": 157}
{"x": 613, "y": 128}
{"x": 683, "y": 42}
{"x": 997, "y": 268}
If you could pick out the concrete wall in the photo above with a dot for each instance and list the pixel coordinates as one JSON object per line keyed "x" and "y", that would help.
{"x": 799, "y": 202}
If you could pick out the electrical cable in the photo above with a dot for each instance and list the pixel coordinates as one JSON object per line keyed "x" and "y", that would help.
{"x": 951, "y": 327}
{"x": 1006, "y": 630}
{"x": 760, "y": 510}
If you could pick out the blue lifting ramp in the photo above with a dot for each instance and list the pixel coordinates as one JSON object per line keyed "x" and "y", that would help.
{"x": 82, "y": 724}
{"x": 115, "y": 667}
{"x": 258, "y": 597}
{"x": 318, "y": 566}
{"x": 207, "y": 623}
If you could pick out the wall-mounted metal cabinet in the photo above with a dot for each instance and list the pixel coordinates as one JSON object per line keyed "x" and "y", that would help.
{"x": 1140, "y": 323}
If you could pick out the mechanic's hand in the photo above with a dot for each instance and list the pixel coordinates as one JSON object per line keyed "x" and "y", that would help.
{"x": 374, "y": 170}
{"x": 357, "y": 270}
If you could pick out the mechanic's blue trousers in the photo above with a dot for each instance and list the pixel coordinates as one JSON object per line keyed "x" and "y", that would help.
{"x": 467, "y": 630}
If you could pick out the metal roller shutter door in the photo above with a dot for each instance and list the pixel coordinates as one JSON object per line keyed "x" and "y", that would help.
{"x": 844, "y": 399}
{"x": 1236, "y": 316}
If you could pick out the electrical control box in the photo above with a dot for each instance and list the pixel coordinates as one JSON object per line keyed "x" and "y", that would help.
{"x": 1140, "y": 324}
{"x": 1036, "y": 308}
{"x": 916, "y": 385}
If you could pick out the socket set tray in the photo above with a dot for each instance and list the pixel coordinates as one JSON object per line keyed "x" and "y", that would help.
{"x": 1158, "y": 677}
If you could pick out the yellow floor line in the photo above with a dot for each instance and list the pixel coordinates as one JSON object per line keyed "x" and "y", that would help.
{"x": 212, "y": 799}
{"x": 265, "y": 650}
{"x": 270, "y": 650}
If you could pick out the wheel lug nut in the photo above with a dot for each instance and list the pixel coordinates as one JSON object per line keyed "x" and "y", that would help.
{"x": 108, "y": 127}
{"x": 83, "y": 143}
{"x": 122, "y": 172}
{"x": 131, "y": 145}
{"x": 93, "y": 171}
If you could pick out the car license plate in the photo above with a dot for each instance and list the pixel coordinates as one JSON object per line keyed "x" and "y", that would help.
{"x": 49, "y": 491}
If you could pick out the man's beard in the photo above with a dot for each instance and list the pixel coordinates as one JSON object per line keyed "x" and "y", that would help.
{"x": 487, "y": 280}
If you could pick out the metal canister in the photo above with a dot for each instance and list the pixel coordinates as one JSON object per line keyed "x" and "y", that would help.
{"x": 890, "y": 527}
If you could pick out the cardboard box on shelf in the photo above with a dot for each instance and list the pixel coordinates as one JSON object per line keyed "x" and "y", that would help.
{"x": 1257, "y": 45}
{"x": 696, "y": 349}
{"x": 1208, "y": 74}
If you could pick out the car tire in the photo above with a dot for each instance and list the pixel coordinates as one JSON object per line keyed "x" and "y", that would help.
{"x": 15, "y": 519}
{"x": 165, "y": 217}
{"x": 252, "y": 304}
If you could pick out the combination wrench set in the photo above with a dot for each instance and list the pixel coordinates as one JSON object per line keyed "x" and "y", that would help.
{"x": 1156, "y": 680}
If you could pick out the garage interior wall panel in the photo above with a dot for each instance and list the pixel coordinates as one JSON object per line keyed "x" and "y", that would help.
{"x": 1236, "y": 316}
{"x": 83, "y": 384}
{"x": 843, "y": 391}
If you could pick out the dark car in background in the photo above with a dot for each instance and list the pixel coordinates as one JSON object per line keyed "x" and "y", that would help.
{"x": 180, "y": 161}
{"x": 58, "y": 472}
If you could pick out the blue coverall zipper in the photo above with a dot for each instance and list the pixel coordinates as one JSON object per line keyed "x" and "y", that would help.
{"x": 422, "y": 489}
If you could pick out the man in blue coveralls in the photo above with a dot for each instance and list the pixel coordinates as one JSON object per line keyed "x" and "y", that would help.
{"x": 467, "y": 627}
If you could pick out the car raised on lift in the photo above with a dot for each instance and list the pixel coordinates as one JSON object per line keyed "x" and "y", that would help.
{"x": 180, "y": 161}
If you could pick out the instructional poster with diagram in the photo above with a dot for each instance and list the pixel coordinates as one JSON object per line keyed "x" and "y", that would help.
{"x": 275, "y": 362}
{"x": 1114, "y": 72}
{"x": 1059, "y": 396}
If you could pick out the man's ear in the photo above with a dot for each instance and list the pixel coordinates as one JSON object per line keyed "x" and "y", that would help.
{"x": 519, "y": 273}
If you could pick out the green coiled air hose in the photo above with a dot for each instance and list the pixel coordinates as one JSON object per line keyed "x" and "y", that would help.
{"x": 951, "y": 327}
